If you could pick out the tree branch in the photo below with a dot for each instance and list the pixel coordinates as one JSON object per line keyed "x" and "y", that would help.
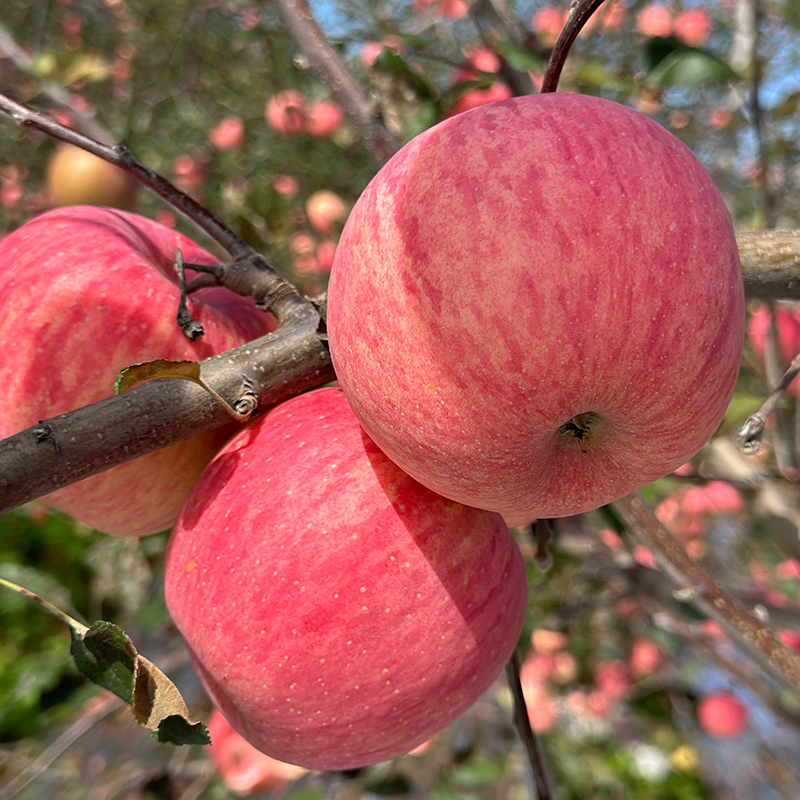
{"x": 528, "y": 736}
{"x": 334, "y": 73}
{"x": 119, "y": 155}
{"x": 702, "y": 591}
{"x": 770, "y": 263}
{"x": 68, "y": 448}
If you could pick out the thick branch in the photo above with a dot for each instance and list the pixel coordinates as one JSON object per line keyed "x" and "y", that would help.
{"x": 702, "y": 591}
{"x": 770, "y": 263}
{"x": 81, "y": 443}
{"x": 332, "y": 70}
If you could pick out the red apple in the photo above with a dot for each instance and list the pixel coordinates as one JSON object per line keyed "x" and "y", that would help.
{"x": 536, "y": 307}
{"x": 75, "y": 177}
{"x": 243, "y": 768}
{"x": 338, "y": 613}
{"x": 84, "y": 293}
{"x": 722, "y": 715}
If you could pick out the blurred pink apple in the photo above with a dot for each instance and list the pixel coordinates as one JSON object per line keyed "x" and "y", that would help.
{"x": 371, "y": 50}
{"x": 228, "y": 134}
{"x": 189, "y": 174}
{"x": 473, "y": 98}
{"x": 722, "y": 715}
{"x": 323, "y": 119}
{"x": 645, "y": 658}
{"x": 343, "y": 614}
{"x": 285, "y": 185}
{"x": 547, "y": 23}
{"x": 654, "y": 19}
{"x": 324, "y": 209}
{"x": 243, "y": 768}
{"x": 447, "y": 9}
{"x": 286, "y": 112}
{"x": 693, "y": 27}
{"x": 615, "y": 303}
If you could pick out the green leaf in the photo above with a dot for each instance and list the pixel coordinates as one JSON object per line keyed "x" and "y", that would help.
{"x": 176, "y": 729}
{"x": 106, "y": 656}
{"x": 689, "y": 68}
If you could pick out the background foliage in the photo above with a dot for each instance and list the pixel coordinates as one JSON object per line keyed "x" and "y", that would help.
{"x": 617, "y": 665}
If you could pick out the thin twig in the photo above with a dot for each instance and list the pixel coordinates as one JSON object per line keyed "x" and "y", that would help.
{"x": 579, "y": 15}
{"x": 104, "y": 706}
{"x": 702, "y": 591}
{"x": 120, "y": 156}
{"x": 751, "y": 433}
{"x": 526, "y": 733}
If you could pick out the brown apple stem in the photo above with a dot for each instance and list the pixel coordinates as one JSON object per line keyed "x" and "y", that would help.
{"x": 327, "y": 63}
{"x": 120, "y": 156}
{"x": 579, "y": 14}
{"x": 751, "y": 433}
{"x": 697, "y": 587}
{"x": 528, "y": 736}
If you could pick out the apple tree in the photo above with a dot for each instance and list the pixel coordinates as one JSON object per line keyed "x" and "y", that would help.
{"x": 656, "y": 636}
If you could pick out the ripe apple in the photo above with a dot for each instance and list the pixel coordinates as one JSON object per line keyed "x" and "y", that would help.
{"x": 75, "y": 177}
{"x": 85, "y": 292}
{"x": 536, "y": 307}
{"x": 338, "y": 613}
{"x": 722, "y": 715}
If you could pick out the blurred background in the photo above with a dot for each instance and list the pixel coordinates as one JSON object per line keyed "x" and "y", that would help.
{"x": 634, "y": 694}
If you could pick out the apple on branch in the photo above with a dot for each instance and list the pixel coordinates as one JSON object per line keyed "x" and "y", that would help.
{"x": 77, "y": 177}
{"x": 84, "y": 293}
{"x": 536, "y": 307}
{"x": 338, "y": 613}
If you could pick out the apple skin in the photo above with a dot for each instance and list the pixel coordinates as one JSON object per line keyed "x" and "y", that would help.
{"x": 338, "y": 613}
{"x": 536, "y": 307}
{"x": 84, "y": 293}
{"x": 75, "y": 177}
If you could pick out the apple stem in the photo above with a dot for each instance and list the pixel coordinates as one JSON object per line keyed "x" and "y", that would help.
{"x": 579, "y": 14}
{"x": 526, "y": 733}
